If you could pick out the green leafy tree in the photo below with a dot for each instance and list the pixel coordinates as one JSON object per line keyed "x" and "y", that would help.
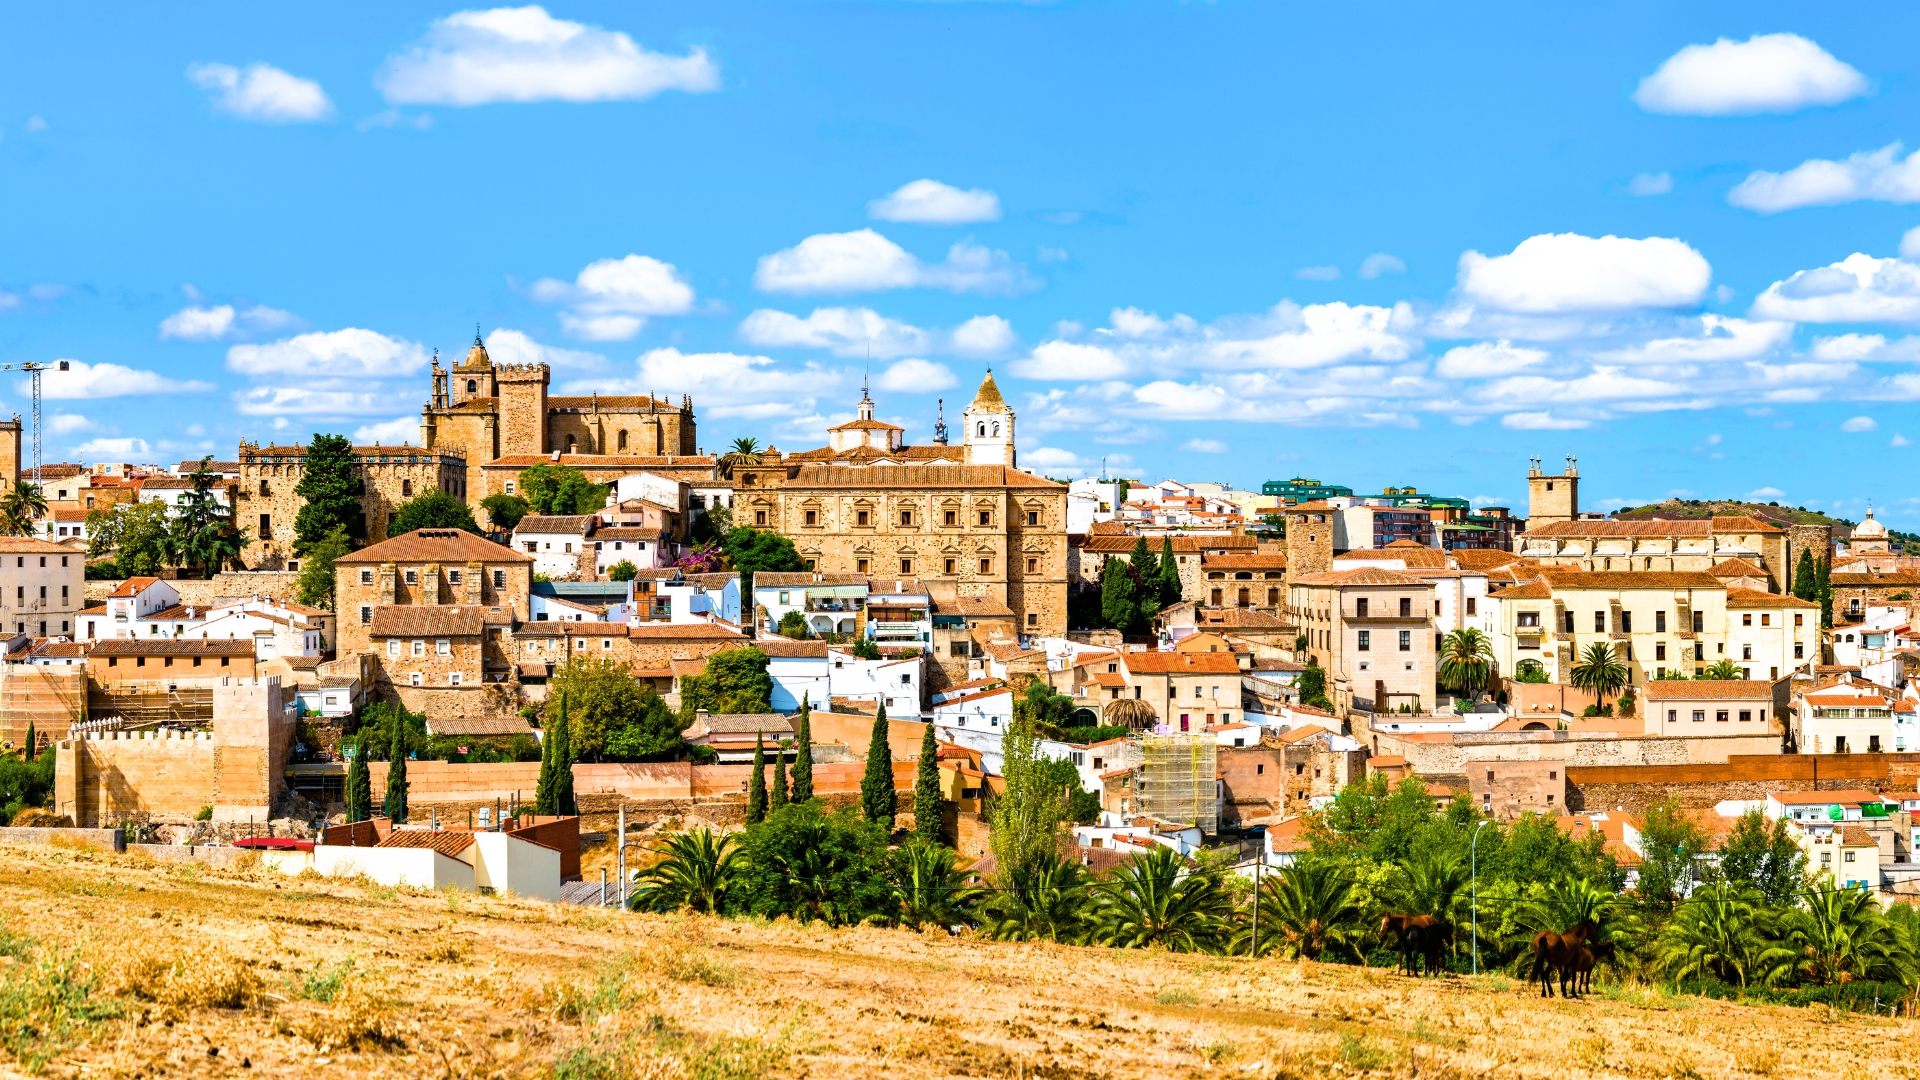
{"x": 757, "y": 782}
{"x": 504, "y": 511}
{"x": 803, "y": 753}
{"x": 1307, "y": 911}
{"x": 1027, "y": 814}
{"x": 330, "y": 492}
{"x": 1725, "y": 933}
{"x": 1721, "y": 670}
{"x": 926, "y": 790}
{"x": 1841, "y": 935}
{"x": 697, "y": 873}
{"x": 929, "y": 888}
{"x": 1466, "y": 661}
{"x": 1598, "y": 670}
{"x": 359, "y": 792}
{"x": 433, "y": 509}
{"x": 611, "y": 715}
{"x": 1119, "y": 597}
{"x": 1533, "y": 671}
{"x": 32, "y": 745}
{"x": 877, "y": 798}
{"x": 735, "y": 681}
{"x": 396, "y": 801}
{"x": 135, "y": 534}
{"x": 1049, "y": 899}
{"x": 814, "y": 866}
{"x": 1312, "y": 687}
{"x": 26, "y": 780}
{"x": 743, "y": 451}
{"x": 21, "y": 506}
{"x": 1762, "y": 855}
{"x": 865, "y": 649}
{"x": 624, "y": 570}
{"x": 560, "y": 489}
{"x": 201, "y": 531}
{"x": 1670, "y": 842}
{"x": 1153, "y": 900}
{"x": 753, "y": 550}
{"x": 794, "y": 625}
{"x": 1169, "y": 575}
{"x": 652, "y": 735}
{"x": 316, "y": 581}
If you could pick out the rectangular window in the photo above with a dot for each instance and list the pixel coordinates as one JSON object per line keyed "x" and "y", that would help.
{"x": 951, "y": 518}
{"x": 1406, "y": 641}
{"x": 950, "y": 571}
{"x": 1033, "y": 619}
{"x": 499, "y": 579}
{"x": 759, "y": 517}
{"x": 860, "y": 517}
{"x": 1672, "y": 716}
{"x": 1720, "y": 716}
{"x": 413, "y": 577}
{"x": 366, "y": 577}
{"x": 413, "y": 679}
{"x": 986, "y": 517}
{"x": 443, "y": 647}
{"x": 1746, "y": 716}
{"x": 813, "y": 517}
{"x": 1366, "y": 641}
{"x": 1360, "y": 608}
{"x": 453, "y": 577}
{"x": 859, "y": 566}
{"x": 1406, "y": 607}
{"x": 986, "y": 566}
{"x": 1699, "y": 622}
{"x": 266, "y": 526}
{"x": 906, "y": 566}
{"x": 393, "y": 647}
{"x": 366, "y": 615}
{"x": 1599, "y": 622}
{"x": 1472, "y": 604}
{"x": 1766, "y": 619}
{"x": 419, "y": 648}
{"x": 906, "y": 517}
{"x": 1798, "y": 651}
{"x": 1626, "y": 622}
{"x": 453, "y": 678}
{"x": 1033, "y": 566}
{"x": 1033, "y": 517}
{"x": 1699, "y": 716}
{"x": 1746, "y": 618}
{"x": 1799, "y": 619}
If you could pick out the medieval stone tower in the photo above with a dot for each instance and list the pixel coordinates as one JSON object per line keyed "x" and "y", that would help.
{"x": 1552, "y": 498}
{"x": 988, "y": 427}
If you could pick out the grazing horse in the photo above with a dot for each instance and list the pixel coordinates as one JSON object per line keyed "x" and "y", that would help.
{"x": 1585, "y": 959}
{"x": 1418, "y": 938}
{"x": 1553, "y": 954}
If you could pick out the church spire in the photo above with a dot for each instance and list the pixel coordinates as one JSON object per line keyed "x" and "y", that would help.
{"x": 940, "y": 423}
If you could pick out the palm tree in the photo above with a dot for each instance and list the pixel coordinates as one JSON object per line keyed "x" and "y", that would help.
{"x": 744, "y": 451}
{"x": 1841, "y": 936}
{"x": 1308, "y": 910}
{"x": 1466, "y": 661}
{"x": 929, "y": 888}
{"x": 697, "y": 873}
{"x": 1723, "y": 670}
{"x": 1599, "y": 670}
{"x": 20, "y": 507}
{"x": 1130, "y": 713}
{"x": 1154, "y": 900}
{"x": 1566, "y": 903}
{"x": 1723, "y": 931}
{"x": 1045, "y": 902}
{"x": 1436, "y": 882}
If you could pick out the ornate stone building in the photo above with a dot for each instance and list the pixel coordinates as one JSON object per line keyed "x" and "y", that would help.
{"x": 265, "y": 504}
{"x": 491, "y": 411}
{"x": 980, "y": 528}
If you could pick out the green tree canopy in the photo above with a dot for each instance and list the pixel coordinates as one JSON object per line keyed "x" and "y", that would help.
{"x": 560, "y": 489}
{"x": 611, "y": 716}
{"x": 751, "y": 550}
{"x": 1119, "y": 596}
{"x": 1466, "y": 660}
{"x": 433, "y": 509}
{"x": 1762, "y": 855}
{"x": 135, "y": 534}
{"x": 1312, "y": 687}
{"x": 1169, "y": 574}
{"x": 878, "y": 800}
{"x": 1599, "y": 670}
{"x": 330, "y": 491}
{"x": 504, "y": 511}
{"x": 624, "y": 570}
{"x": 812, "y": 865}
{"x": 22, "y": 505}
{"x": 735, "y": 681}
{"x": 316, "y": 581}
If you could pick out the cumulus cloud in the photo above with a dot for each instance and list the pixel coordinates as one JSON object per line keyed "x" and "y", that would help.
{"x": 611, "y": 299}
{"x": 865, "y": 261}
{"x": 123, "y": 449}
{"x": 399, "y": 431}
{"x": 930, "y": 202}
{"x": 215, "y": 323}
{"x": 286, "y": 401}
{"x": 1859, "y": 423}
{"x": 1381, "y": 263}
{"x": 1541, "y": 421}
{"x": 351, "y": 353}
{"x": 1486, "y": 359}
{"x": 1071, "y": 360}
{"x": 915, "y": 376}
{"x": 1856, "y": 347}
{"x": 83, "y": 381}
{"x": 1719, "y": 338}
{"x": 844, "y": 331}
{"x": 982, "y": 335}
{"x": 68, "y": 423}
{"x": 262, "y": 93}
{"x": 1650, "y": 184}
{"x": 1767, "y": 73}
{"x": 1204, "y": 446}
{"x": 1318, "y": 273}
{"x": 1859, "y": 288}
{"x": 524, "y": 54}
{"x": 1560, "y": 273}
{"x": 727, "y": 384}
{"x": 513, "y": 347}
{"x": 1765, "y": 493}
{"x": 1879, "y": 175}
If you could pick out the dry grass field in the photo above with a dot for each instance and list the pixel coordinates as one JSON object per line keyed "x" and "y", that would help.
{"x": 116, "y": 966}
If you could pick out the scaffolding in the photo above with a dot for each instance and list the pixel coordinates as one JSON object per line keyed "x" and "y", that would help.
{"x": 141, "y": 706}
{"x": 1178, "y": 780}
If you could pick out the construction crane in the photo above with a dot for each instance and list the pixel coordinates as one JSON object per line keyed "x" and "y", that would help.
{"x": 36, "y": 368}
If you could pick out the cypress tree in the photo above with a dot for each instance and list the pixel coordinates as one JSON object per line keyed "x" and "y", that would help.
{"x": 803, "y": 755}
{"x": 926, "y": 790}
{"x": 544, "y": 789}
{"x": 563, "y": 800}
{"x": 876, "y": 787}
{"x": 1119, "y": 598}
{"x": 1806, "y": 576}
{"x": 30, "y": 741}
{"x": 777, "y": 794}
{"x": 1825, "y": 599}
{"x": 1146, "y": 569}
{"x": 1169, "y": 575}
{"x": 757, "y": 784}
{"x": 359, "y": 791}
{"x": 397, "y": 774}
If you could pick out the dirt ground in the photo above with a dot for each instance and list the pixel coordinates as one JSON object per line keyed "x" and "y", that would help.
{"x": 116, "y": 966}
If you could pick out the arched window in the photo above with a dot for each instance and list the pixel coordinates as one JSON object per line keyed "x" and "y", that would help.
{"x": 406, "y": 489}
{"x": 473, "y": 386}
{"x": 569, "y": 444}
{"x": 983, "y": 429}
{"x": 623, "y": 440}
{"x": 263, "y": 485}
{"x": 996, "y": 427}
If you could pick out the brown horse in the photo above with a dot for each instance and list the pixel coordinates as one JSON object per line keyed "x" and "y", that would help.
{"x": 1417, "y": 938}
{"x": 1553, "y": 954}
{"x": 1585, "y": 959}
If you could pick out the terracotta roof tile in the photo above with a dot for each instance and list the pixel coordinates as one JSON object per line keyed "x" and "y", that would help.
{"x": 788, "y": 648}
{"x": 1568, "y": 578}
{"x": 428, "y": 620}
{"x": 1365, "y": 575}
{"x": 436, "y": 545}
{"x": 173, "y": 647}
{"x": 1706, "y": 690}
{"x": 1168, "y": 663}
{"x": 479, "y": 725}
{"x": 1756, "y": 598}
{"x": 446, "y": 843}
{"x": 561, "y": 524}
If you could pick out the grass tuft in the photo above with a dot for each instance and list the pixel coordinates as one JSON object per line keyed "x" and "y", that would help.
{"x": 49, "y": 1006}
{"x": 1176, "y": 996}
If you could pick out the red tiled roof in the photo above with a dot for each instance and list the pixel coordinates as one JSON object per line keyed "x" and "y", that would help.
{"x": 436, "y": 545}
{"x": 1169, "y": 663}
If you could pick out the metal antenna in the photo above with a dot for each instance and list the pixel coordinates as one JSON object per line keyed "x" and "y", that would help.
{"x": 34, "y": 368}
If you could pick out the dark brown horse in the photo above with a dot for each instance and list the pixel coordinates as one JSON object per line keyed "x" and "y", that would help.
{"x": 1585, "y": 959}
{"x": 1553, "y": 955}
{"x": 1418, "y": 938}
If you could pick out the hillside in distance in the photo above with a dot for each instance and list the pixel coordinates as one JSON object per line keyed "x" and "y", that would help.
{"x": 1772, "y": 512}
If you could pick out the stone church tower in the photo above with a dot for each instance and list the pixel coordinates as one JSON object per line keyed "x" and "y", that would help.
{"x": 988, "y": 427}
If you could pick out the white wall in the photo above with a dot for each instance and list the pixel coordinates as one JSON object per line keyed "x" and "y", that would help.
{"x": 508, "y": 864}
{"x": 794, "y": 676}
{"x": 870, "y": 680}
{"x": 421, "y": 868}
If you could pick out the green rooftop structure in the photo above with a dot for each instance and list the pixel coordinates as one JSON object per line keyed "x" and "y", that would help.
{"x": 1300, "y": 489}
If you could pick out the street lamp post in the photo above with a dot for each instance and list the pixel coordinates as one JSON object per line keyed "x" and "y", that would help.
{"x": 1473, "y": 859}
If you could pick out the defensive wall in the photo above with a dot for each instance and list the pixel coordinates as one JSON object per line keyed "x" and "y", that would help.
{"x": 51, "y": 699}
{"x": 1433, "y": 754}
{"x": 1746, "y": 777}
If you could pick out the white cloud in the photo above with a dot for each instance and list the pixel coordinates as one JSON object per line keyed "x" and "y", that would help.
{"x": 351, "y": 353}
{"x": 1541, "y": 421}
{"x": 1765, "y": 493}
{"x": 728, "y": 384}
{"x": 113, "y": 448}
{"x": 1071, "y": 360}
{"x": 914, "y": 376}
{"x": 844, "y": 331}
{"x": 399, "y": 431}
{"x": 513, "y": 347}
{"x": 36, "y": 123}
{"x": 1859, "y": 288}
{"x": 1910, "y": 244}
{"x": 83, "y": 381}
{"x": 524, "y": 54}
{"x": 1204, "y": 446}
{"x": 983, "y": 335}
{"x": 931, "y": 202}
{"x": 1880, "y": 175}
{"x": 1650, "y": 184}
{"x": 285, "y": 401}
{"x": 214, "y": 323}
{"x": 1720, "y": 338}
{"x": 1054, "y": 255}
{"x": 1556, "y": 273}
{"x": 1485, "y": 359}
{"x": 1859, "y": 423}
{"x": 1058, "y": 461}
{"x": 68, "y": 423}
{"x": 1767, "y": 73}
{"x": 1381, "y": 263}
{"x": 611, "y": 299}
{"x": 262, "y": 93}
{"x": 863, "y": 261}
{"x": 1856, "y": 347}
{"x": 1900, "y": 440}
{"x": 1318, "y": 273}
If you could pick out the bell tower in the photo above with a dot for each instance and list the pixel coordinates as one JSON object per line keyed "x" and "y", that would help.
{"x": 987, "y": 427}
{"x": 1552, "y": 498}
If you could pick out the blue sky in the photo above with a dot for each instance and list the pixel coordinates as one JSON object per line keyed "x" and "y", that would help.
{"x": 1372, "y": 243}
